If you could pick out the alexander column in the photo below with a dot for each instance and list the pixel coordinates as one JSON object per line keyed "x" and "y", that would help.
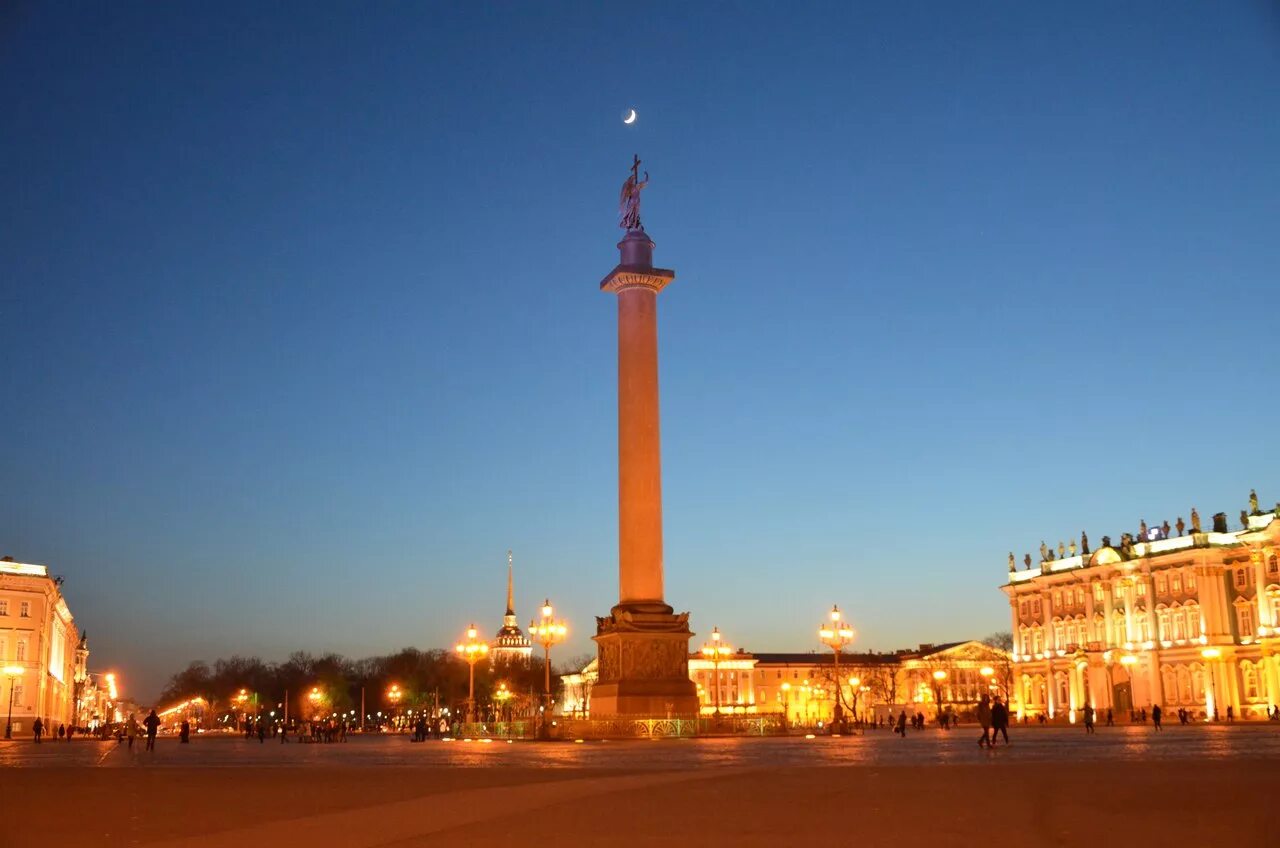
{"x": 643, "y": 644}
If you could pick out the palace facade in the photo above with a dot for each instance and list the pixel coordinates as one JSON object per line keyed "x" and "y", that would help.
{"x": 1187, "y": 622}
{"x": 39, "y": 663}
{"x": 802, "y": 686}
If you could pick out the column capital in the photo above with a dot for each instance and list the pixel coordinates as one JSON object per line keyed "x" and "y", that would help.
{"x": 637, "y": 276}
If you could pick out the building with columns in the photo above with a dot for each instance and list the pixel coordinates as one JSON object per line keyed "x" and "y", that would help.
{"x": 38, "y": 647}
{"x": 1184, "y": 621}
{"x": 802, "y": 685}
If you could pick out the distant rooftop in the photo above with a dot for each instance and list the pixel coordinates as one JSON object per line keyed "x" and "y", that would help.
{"x": 8, "y": 566}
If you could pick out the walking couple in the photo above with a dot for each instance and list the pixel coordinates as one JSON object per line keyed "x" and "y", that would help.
{"x": 994, "y": 719}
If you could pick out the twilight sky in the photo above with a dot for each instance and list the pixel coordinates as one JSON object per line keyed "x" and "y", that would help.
{"x": 303, "y": 330}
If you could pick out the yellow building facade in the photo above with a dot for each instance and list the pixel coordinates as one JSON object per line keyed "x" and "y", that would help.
{"x": 38, "y": 642}
{"x": 1187, "y": 621}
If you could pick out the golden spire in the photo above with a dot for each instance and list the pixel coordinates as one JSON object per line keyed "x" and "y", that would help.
{"x": 511, "y": 592}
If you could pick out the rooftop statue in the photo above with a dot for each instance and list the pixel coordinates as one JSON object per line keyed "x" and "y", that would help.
{"x": 1164, "y": 529}
{"x": 1044, "y": 551}
{"x": 1181, "y": 525}
{"x": 1106, "y": 541}
{"x": 1062, "y": 550}
{"x": 1244, "y": 519}
{"x": 1084, "y": 543}
{"x": 1071, "y": 548}
{"x": 1142, "y": 530}
{"x": 1253, "y": 503}
{"x": 1013, "y": 566}
{"x": 629, "y": 201}
{"x": 1195, "y": 521}
{"x": 1026, "y": 560}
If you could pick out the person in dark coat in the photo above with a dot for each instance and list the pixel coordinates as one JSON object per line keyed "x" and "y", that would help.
{"x": 999, "y": 721}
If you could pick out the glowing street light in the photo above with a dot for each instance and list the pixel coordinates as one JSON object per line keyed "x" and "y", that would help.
{"x": 836, "y": 634}
{"x": 1210, "y": 702}
{"x": 548, "y": 631}
{"x": 714, "y": 651}
{"x": 394, "y": 694}
{"x": 502, "y": 695}
{"x": 13, "y": 672}
{"x": 472, "y": 651}
{"x": 786, "y": 703}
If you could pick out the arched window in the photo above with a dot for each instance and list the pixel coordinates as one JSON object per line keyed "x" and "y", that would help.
{"x": 1192, "y": 612}
{"x": 1064, "y": 691}
{"x": 1099, "y": 627}
{"x": 1197, "y": 684}
{"x": 1244, "y": 617}
{"x": 1024, "y": 639}
{"x": 1059, "y": 634}
{"x": 1190, "y": 581}
{"x": 1170, "y": 679}
{"x": 1028, "y": 690}
{"x": 1179, "y": 623}
{"x": 1250, "y": 676}
{"x": 1037, "y": 639}
{"x": 1162, "y": 617}
{"x": 1184, "y": 685}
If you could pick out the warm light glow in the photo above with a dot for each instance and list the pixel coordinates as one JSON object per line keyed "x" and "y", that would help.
{"x": 939, "y": 675}
{"x": 835, "y": 613}
{"x": 986, "y": 671}
{"x": 854, "y": 681}
{"x": 16, "y": 670}
{"x": 1128, "y": 659}
{"x": 1210, "y": 653}
{"x": 112, "y": 691}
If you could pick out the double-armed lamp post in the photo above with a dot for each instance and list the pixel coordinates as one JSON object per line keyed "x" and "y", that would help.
{"x": 394, "y": 694}
{"x": 548, "y": 631}
{"x": 715, "y": 650}
{"x": 472, "y": 651}
{"x": 836, "y": 634}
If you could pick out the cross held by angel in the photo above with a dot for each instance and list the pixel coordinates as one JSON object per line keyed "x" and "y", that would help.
{"x": 629, "y": 202}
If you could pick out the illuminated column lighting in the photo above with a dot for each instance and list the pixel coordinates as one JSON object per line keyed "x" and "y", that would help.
{"x": 714, "y": 651}
{"x": 1210, "y": 700}
{"x": 836, "y": 634}
{"x": 547, "y": 632}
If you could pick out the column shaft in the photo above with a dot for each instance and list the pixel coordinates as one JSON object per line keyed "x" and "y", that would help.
{"x": 639, "y": 449}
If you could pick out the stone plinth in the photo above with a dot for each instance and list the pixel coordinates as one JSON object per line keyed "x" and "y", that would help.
{"x": 644, "y": 663}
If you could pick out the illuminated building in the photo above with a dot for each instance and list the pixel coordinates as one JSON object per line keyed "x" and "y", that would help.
{"x": 37, "y": 636}
{"x": 510, "y": 645}
{"x": 1183, "y": 621}
{"x": 802, "y": 685}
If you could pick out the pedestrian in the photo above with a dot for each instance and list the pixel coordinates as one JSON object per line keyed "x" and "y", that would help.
{"x": 262, "y": 731}
{"x": 37, "y": 729}
{"x": 184, "y": 734}
{"x": 984, "y": 720}
{"x": 152, "y": 721}
{"x": 999, "y": 721}
{"x": 1156, "y": 712}
{"x": 901, "y": 729}
{"x": 1231, "y": 714}
{"x": 1088, "y": 718}
{"x": 284, "y": 734}
{"x": 131, "y": 729}
{"x": 62, "y": 731}
{"x": 1111, "y": 722}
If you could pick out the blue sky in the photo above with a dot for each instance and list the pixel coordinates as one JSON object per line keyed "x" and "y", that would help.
{"x": 303, "y": 329}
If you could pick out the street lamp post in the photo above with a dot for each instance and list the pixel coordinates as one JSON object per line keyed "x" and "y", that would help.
{"x": 938, "y": 677}
{"x": 472, "y": 651}
{"x": 713, "y": 651}
{"x": 13, "y": 672}
{"x": 786, "y": 704}
{"x": 1210, "y": 693}
{"x": 547, "y": 631}
{"x": 502, "y": 696}
{"x": 835, "y": 634}
{"x": 394, "y": 694}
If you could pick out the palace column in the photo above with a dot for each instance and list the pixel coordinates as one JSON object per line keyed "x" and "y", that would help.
{"x": 643, "y": 646}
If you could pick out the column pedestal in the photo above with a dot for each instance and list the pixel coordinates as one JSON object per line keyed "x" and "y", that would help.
{"x": 644, "y": 664}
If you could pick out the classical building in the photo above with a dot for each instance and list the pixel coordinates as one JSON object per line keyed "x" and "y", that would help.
{"x": 510, "y": 644}
{"x": 1184, "y": 621}
{"x": 38, "y": 647}
{"x": 802, "y": 685}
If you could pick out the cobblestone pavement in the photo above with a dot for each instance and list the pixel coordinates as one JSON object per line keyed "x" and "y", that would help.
{"x": 1035, "y": 744}
{"x": 1051, "y": 787}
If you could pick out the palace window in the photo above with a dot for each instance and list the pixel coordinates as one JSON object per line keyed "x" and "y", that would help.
{"x": 1244, "y": 615}
{"x": 1191, "y": 581}
{"x": 22, "y": 651}
{"x": 1170, "y": 680}
{"x": 1057, "y": 598}
{"x": 1179, "y": 631}
{"x": 1193, "y": 621}
{"x": 1144, "y": 627}
{"x": 4, "y": 607}
{"x": 1079, "y": 596}
{"x": 1273, "y": 565}
{"x": 1162, "y": 585}
{"x": 1022, "y": 609}
{"x": 1142, "y": 588}
{"x": 1166, "y": 632}
{"x": 1240, "y": 578}
{"x": 1036, "y": 640}
{"x": 1098, "y": 596}
{"x": 1197, "y": 684}
{"x": 1250, "y": 675}
{"x": 1175, "y": 583}
{"x": 1059, "y": 634}
{"x": 24, "y": 609}
{"x": 17, "y": 693}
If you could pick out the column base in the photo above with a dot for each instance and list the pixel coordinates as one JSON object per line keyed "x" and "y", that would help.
{"x": 644, "y": 664}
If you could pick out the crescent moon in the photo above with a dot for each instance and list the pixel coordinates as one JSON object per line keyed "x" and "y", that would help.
{"x": 630, "y": 119}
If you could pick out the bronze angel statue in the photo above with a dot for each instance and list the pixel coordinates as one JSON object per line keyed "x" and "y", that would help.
{"x": 629, "y": 201}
